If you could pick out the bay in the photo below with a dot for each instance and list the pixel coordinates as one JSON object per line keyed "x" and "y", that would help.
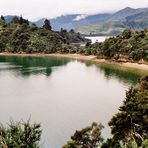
{"x": 62, "y": 94}
{"x": 97, "y": 38}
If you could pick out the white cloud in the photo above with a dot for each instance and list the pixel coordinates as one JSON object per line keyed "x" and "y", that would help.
{"x": 80, "y": 17}
{"x": 34, "y": 9}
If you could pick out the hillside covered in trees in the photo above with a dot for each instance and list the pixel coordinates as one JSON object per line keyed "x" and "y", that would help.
{"x": 20, "y": 35}
{"x": 131, "y": 46}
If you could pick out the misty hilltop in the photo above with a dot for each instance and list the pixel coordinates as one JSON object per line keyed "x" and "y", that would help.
{"x": 103, "y": 23}
{"x": 99, "y": 24}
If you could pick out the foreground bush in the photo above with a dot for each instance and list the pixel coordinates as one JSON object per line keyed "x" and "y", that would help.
{"x": 20, "y": 135}
{"x": 89, "y": 137}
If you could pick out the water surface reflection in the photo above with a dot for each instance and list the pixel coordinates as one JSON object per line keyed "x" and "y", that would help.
{"x": 62, "y": 94}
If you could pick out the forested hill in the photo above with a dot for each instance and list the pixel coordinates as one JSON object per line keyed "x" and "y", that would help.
{"x": 20, "y": 35}
{"x": 130, "y": 45}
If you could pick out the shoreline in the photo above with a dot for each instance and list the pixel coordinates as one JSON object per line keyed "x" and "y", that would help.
{"x": 91, "y": 58}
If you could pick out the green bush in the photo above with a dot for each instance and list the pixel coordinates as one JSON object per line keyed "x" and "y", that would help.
{"x": 20, "y": 135}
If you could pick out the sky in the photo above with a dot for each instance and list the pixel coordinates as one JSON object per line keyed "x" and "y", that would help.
{"x": 35, "y": 9}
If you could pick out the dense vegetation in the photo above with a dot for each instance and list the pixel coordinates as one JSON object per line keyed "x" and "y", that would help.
{"x": 22, "y": 36}
{"x": 131, "y": 45}
{"x": 89, "y": 137}
{"x": 20, "y": 135}
{"x": 129, "y": 127}
{"x": 19, "y": 36}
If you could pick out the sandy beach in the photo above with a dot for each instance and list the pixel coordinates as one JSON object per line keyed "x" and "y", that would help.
{"x": 95, "y": 59}
{"x": 86, "y": 58}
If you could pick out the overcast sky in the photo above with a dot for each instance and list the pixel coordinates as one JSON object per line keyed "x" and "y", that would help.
{"x": 34, "y": 9}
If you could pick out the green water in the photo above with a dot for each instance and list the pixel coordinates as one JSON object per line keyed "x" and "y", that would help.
{"x": 61, "y": 94}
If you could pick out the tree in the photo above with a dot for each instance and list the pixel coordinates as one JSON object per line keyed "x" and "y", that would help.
{"x": 15, "y": 20}
{"x": 63, "y": 30}
{"x": 72, "y": 31}
{"x": 2, "y": 45}
{"x": 111, "y": 143}
{"x": 47, "y": 25}
{"x": 106, "y": 51}
{"x": 2, "y": 18}
{"x": 87, "y": 44}
{"x": 23, "y": 21}
{"x": 127, "y": 33}
{"x": 89, "y": 137}
{"x": 2, "y": 21}
{"x": 20, "y": 134}
{"x": 21, "y": 36}
{"x": 130, "y": 124}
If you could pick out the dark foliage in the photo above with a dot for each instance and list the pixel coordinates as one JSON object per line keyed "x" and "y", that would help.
{"x": 131, "y": 45}
{"x": 20, "y": 135}
{"x": 132, "y": 120}
{"x": 21, "y": 36}
{"x": 89, "y": 137}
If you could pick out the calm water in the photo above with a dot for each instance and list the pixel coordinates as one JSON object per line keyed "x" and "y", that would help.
{"x": 61, "y": 94}
{"x": 97, "y": 38}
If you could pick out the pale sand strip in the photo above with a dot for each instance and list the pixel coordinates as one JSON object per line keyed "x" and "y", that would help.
{"x": 95, "y": 59}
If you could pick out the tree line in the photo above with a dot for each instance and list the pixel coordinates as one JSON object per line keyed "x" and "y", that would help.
{"x": 130, "y": 45}
{"x": 20, "y": 35}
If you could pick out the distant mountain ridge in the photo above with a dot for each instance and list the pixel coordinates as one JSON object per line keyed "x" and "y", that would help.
{"x": 102, "y": 24}
{"x": 9, "y": 18}
{"x": 69, "y": 21}
{"x": 117, "y": 22}
{"x": 122, "y": 14}
{"x": 99, "y": 24}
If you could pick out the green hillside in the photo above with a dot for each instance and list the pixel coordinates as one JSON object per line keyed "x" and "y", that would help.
{"x": 21, "y": 36}
{"x": 105, "y": 28}
{"x": 117, "y": 22}
{"x": 131, "y": 46}
{"x": 138, "y": 21}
